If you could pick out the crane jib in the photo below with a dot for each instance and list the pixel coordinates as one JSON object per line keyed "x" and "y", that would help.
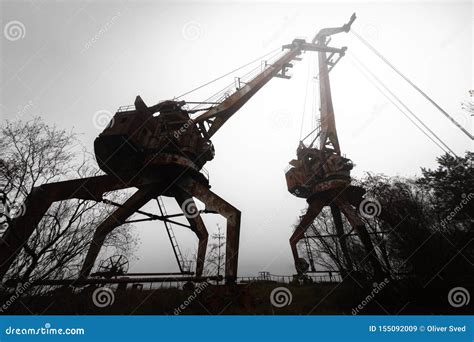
{"x": 222, "y": 112}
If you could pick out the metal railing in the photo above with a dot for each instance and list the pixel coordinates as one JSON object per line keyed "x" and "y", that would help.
{"x": 127, "y": 108}
{"x": 205, "y": 173}
{"x": 325, "y": 277}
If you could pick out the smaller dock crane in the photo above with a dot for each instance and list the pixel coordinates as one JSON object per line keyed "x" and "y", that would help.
{"x": 321, "y": 174}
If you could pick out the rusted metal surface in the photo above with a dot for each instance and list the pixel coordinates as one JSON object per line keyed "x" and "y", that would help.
{"x": 214, "y": 203}
{"x": 41, "y": 198}
{"x": 197, "y": 226}
{"x": 116, "y": 219}
{"x": 322, "y": 175}
{"x": 341, "y": 236}
{"x": 222, "y": 112}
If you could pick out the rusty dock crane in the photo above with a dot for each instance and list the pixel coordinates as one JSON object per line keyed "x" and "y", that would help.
{"x": 321, "y": 174}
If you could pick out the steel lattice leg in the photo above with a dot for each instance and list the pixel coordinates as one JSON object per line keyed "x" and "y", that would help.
{"x": 214, "y": 203}
{"x": 116, "y": 219}
{"x": 358, "y": 225}
{"x": 308, "y": 218}
{"x": 40, "y": 199}
{"x": 198, "y": 227}
{"x": 336, "y": 214}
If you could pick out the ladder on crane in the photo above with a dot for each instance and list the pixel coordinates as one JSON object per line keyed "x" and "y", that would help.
{"x": 309, "y": 252}
{"x": 183, "y": 266}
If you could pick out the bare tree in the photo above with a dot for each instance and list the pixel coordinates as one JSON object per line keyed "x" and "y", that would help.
{"x": 33, "y": 153}
{"x": 215, "y": 261}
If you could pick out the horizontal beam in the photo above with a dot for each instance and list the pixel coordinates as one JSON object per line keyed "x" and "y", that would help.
{"x": 151, "y": 274}
{"x": 318, "y": 47}
{"x": 314, "y": 236}
{"x": 123, "y": 280}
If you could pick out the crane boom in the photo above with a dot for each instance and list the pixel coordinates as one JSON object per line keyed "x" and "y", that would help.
{"x": 218, "y": 115}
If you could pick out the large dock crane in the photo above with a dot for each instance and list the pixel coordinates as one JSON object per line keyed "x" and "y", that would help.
{"x": 161, "y": 151}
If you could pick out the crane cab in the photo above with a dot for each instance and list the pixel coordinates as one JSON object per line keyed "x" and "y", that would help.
{"x": 139, "y": 136}
{"x": 316, "y": 171}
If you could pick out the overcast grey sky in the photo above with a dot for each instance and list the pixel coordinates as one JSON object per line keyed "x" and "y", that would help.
{"x": 73, "y": 59}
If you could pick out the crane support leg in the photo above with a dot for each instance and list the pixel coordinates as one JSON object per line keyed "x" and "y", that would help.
{"x": 336, "y": 214}
{"x": 40, "y": 199}
{"x": 358, "y": 225}
{"x": 198, "y": 227}
{"x": 116, "y": 219}
{"x": 314, "y": 208}
{"x": 214, "y": 203}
